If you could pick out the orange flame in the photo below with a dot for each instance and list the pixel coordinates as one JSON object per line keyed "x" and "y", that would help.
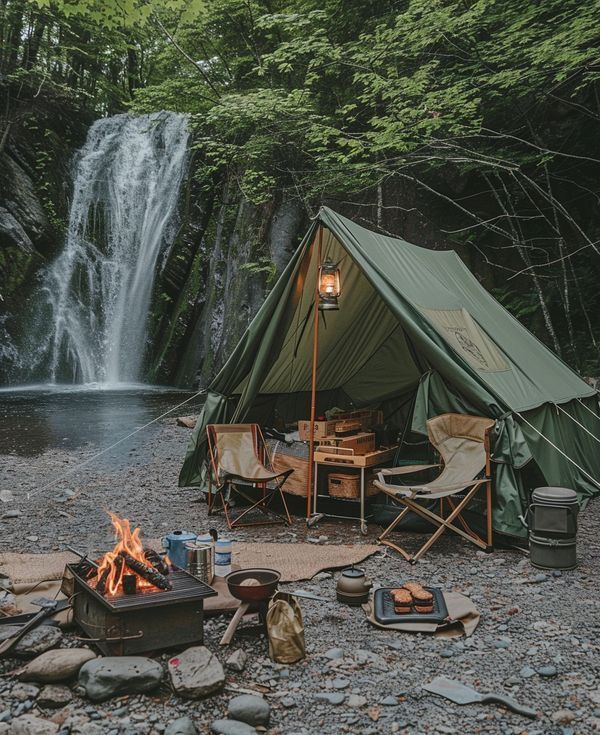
{"x": 128, "y": 541}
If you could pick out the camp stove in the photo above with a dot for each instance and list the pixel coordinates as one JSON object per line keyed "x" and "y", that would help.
{"x": 148, "y": 620}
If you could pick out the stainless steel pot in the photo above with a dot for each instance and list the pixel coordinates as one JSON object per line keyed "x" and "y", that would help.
{"x": 201, "y": 560}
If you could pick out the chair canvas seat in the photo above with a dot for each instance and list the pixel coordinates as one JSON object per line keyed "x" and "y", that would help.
{"x": 463, "y": 444}
{"x": 238, "y": 459}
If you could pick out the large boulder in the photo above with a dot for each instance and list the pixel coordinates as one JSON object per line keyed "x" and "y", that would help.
{"x": 196, "y": 673}
{"x": 108, "y": 677}
{"x": 59, "y": 665}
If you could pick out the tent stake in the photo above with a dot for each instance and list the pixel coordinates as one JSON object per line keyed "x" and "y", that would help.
{"x": 313, "y": 395}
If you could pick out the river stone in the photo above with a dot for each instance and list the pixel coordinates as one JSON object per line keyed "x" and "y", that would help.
{"x": 38, "y": 640}
{"x": 30, "y": 725}
{"x": 527, "y": 672}
{"x": 231, "y": 727}
{"x": 23, "y": 692}
{"x": 11, "y": 514}
{"x": 356, "y": 700}
{"x": 59, "y": 665}
{"x": 548, "y": 670}
{"x": 107, "y": 677}
{"x": 54, "y": 696}
{"x": 91, "y": 728}
{"x": 250, "y": 709}
{"x": 237, "y": 660}
{"x": 181, "y": 726}
{"x": 196, "y": 673}
{"x": 563, "y": 716}
{"x": 333, "y": 698}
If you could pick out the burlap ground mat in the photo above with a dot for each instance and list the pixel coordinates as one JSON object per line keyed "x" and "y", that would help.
{"x": 294, "y": 561}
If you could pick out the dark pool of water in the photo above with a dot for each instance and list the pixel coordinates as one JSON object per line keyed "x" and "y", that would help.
{"x": 39, "y": 418}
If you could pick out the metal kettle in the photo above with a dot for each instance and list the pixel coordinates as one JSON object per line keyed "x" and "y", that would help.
{"x": 175, "y": 543}
{"x": 353, "y": 586}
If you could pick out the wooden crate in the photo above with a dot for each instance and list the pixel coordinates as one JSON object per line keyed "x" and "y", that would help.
{"x": 296, "y": 482}
{"x": 361, "y": 443}
{"x": 367, "y": 417}
{"x": 322, "y": 429}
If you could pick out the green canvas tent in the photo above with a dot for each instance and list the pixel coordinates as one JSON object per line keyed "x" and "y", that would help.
{"x": 414, "y": 328}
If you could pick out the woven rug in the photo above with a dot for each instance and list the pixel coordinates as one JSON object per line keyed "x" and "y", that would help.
{"x": 294, "y": 561}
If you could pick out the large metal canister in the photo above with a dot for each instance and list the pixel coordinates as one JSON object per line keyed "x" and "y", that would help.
{"x": 201, "y": 560}
{"x": 553, "y": 528}
{"x": 553, "y": 512}
{"x": 553, "y": 553}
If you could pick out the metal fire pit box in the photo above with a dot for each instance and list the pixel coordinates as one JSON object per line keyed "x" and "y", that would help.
{"x": 148, "y": 620}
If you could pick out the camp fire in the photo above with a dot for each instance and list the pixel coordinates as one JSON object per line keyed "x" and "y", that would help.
{"x": 130, "y": 567}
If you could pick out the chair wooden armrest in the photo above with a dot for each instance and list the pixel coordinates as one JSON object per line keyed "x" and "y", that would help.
{"x": 406, "y": 470}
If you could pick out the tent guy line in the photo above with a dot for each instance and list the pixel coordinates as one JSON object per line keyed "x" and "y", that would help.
{"x": 77, "y": 467}
{"x": 587, "y": 408}
{"x": 581, "y": 426}
{"x": 558, "y": 449}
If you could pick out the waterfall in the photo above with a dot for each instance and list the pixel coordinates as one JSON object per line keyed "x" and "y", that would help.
{"x": 94, "y": 299}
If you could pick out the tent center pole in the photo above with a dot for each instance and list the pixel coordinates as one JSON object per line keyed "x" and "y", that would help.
{"x": 313, "y": 394}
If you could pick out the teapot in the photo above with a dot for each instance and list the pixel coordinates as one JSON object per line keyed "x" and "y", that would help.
{"x": 353, "y": 586}
{"x": 175, "y": 543}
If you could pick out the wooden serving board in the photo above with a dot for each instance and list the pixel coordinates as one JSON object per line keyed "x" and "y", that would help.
{"x": 339, "y": 455}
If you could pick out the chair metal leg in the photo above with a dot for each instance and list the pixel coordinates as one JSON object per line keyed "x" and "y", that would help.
{"x": 262, "y": 504}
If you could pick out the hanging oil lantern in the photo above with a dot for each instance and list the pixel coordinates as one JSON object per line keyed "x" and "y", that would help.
{"x": 329, "y": 286}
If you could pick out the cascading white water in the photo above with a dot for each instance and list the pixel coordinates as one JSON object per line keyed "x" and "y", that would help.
{"x": 95, "y": 297}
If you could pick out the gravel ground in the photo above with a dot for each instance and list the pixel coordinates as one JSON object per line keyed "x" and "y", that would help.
{"x": 537, "y": 639}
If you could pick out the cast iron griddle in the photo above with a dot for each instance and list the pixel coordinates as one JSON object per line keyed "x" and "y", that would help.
{"x": 383, "y": 608}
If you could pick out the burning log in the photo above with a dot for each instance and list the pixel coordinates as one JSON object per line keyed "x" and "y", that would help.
{"x": 156, "y": 560}
{"x": 116, "y": 568}
{"x": 149, "y": 573}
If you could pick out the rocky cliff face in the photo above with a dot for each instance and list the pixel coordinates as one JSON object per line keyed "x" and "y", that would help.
{"x": 34, "y": 183}
{"x": 217, "y": 276}
{"x": 24, "y": 235}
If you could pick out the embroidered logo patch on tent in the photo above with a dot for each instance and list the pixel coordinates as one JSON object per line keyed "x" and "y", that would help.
{"x": 465, "y": 336}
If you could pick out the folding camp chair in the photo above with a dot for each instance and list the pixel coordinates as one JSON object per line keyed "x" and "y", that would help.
{"x": 239, "y": 456}
{"x": 464, "y": 446}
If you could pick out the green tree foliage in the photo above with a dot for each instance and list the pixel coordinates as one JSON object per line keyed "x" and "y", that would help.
{"x": 487, "y": 109}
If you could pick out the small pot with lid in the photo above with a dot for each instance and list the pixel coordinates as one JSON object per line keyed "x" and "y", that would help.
{"x": 353, "y": 586}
